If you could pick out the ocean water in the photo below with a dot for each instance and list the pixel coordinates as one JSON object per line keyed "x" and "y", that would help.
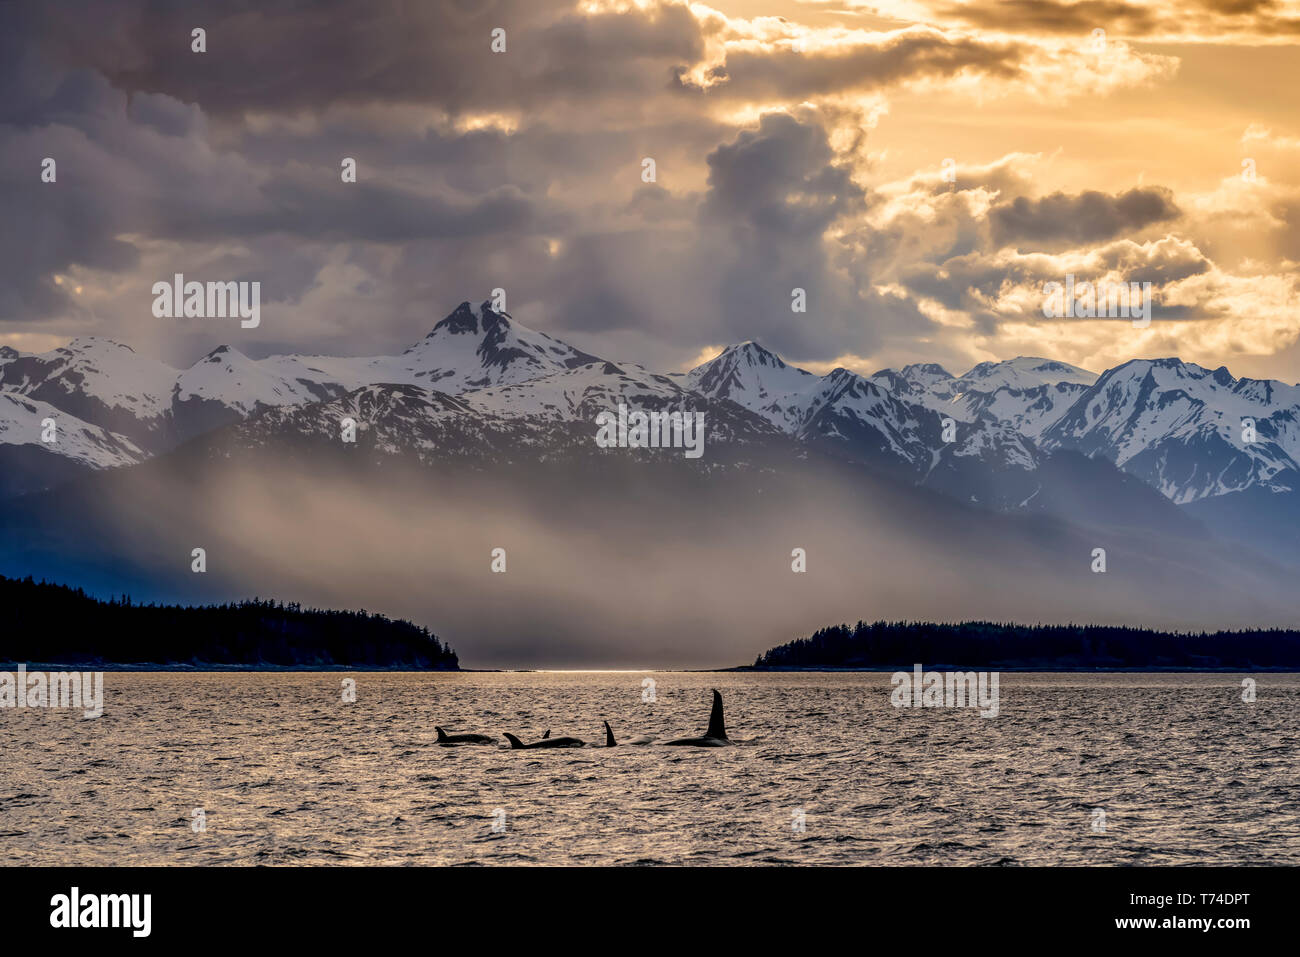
{"x": 825, "y": 771}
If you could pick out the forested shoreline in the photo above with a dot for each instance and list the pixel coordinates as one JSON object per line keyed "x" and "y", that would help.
{"x": 56, "y": 624}
{"x": 888, "y": 645}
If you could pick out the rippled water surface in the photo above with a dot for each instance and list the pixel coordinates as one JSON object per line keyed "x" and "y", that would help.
{"x": 286, "y": 773}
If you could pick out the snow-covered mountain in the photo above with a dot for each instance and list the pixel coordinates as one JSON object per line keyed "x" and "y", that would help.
{"x": 1027, "y": 410}
{"x": 397, "y": 420}
{"x": 995, "y": 435}
{"x": 1026, "y": 393}
{"x": 1176, "y": 426}
{"x": 145, "y": 407}
{"x": 109, "y": 385}
{"x": 897, "y": 418}
{"x": 27, "y": 461}
{"x": 1188, "y": 431}
{"x": 1021, "y": 373}
{"x": 916, "y": 483}
{"x": 889, "y": 420}
{"x": 853, "y": 411}
{"x": 472, "y": 348}
{"x": 925, "y": 383}
{"x": 22, "y": 421}
{"x": 580, "y": 393}
{"x": 477, "y": 347}
{"x": 749, "y": 375}
{"x": 100, "y": 382}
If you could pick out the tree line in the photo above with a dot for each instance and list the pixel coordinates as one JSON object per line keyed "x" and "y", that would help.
{"x": 984, "y": 644}
{"x": 61, "y": 625}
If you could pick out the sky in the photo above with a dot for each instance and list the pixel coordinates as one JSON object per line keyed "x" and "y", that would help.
{"x": 920, "y": 168}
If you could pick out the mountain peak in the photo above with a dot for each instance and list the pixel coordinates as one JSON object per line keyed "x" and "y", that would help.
{"x": 1141, "y": 367}
{"x": 755, "y": 378}
{"x": 753, "y": 353}
{"x": 462, "y": 319}
{"x": 468, "y": 319}
{"x": 478, "y": 346}
{"x": 1022, "y": 372}
{"x": 222, "y": 353}
{"x": 930, "y": 370}
{"x": 96, "y": 344}
{"x": 746, "y": 367}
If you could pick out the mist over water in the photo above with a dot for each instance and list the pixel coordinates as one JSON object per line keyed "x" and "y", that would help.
{"x": 625, "y": 565}
{"x": 1185, "y": 772}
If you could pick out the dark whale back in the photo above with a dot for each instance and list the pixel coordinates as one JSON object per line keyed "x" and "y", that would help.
{"x": 450, "y": 739}
{"x": 715, "y": 736}
{"x": 564, "y": 742}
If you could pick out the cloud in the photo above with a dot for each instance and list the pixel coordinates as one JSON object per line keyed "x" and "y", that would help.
{"x": 522, "y": 170}
{"x": 300, "y": 55}
{"x": 769, "y": 73}
{"x": 1223, "y": 21}
{"x": 1086, "y": 217}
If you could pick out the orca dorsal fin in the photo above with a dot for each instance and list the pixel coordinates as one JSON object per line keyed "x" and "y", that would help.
{"x": 442, "y": 735}
{"x": 717, "y": 726}
{"x": 515, "y": 743}
{"x": 547, "y": 734}
{"x": 609, "y": 737}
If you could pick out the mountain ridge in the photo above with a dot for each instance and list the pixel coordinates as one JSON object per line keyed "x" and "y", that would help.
{"x": 1175, "y": 425}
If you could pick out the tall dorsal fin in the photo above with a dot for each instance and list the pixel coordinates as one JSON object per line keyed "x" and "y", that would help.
{"x": 547, "y": 734}
{"x": 609, "y": 737}
{"x": 717, "y": 726}
{"x": 442, "y": 735}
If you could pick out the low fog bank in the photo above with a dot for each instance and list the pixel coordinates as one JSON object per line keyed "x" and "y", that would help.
{"x": 627, "y": 564}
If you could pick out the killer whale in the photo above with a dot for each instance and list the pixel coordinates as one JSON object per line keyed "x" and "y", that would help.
{"x": 715, "y": 736}
{"x": 445, "y": 738}
{"x": 611, "y": 743}
{"x": 562, "y": 742}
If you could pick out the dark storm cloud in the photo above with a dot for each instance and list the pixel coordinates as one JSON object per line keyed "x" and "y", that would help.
{"x": 685, "y": 271}
{"x": 144, "y": 167}
{"x": 1051, "y": 17}
{"x": 1207, "y": 17}
{"x": 654, "y": 204}
{"x": 154, "y": 146}
{"x": 781, "y": 73}
{"x": 115, "y": 94}
{"x": 952, "y": 281}
{"x": 310, "y": 207}
{"x": 779, "y": 180}
{"x": 294, "y": 55}
{"x": 773, "y": 193}
{"x": 166, "y": 115}
{"x": 52, "y": 226}
{"x": 477, "y": 170}
{"x": 1080, "y": 218}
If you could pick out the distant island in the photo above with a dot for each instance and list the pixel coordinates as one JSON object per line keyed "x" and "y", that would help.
{"x": 56, "y": 624}
{"x": 886, "y": 645}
